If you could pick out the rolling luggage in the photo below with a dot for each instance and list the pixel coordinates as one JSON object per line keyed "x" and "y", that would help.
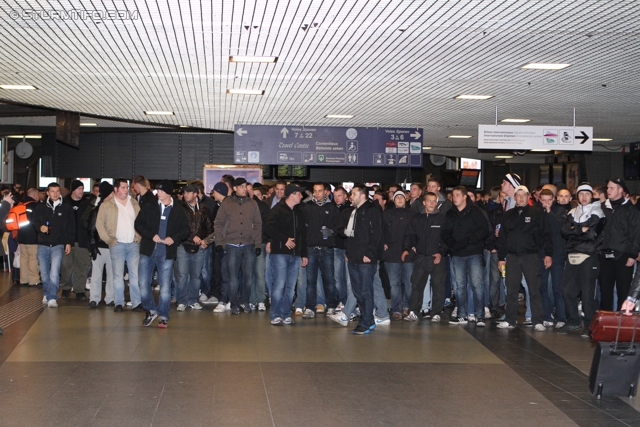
{"x": 606, "y": 325}
{"x": 616, "y": 366}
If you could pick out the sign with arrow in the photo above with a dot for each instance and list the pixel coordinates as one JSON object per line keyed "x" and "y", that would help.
{"x": 520, "y": 137}
{"x": 328, "y": 146}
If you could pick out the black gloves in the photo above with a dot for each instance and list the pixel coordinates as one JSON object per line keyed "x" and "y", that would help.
{"x": 219, "y": 248}
{"x": 258, "y": 251}
{"x": 94, "y": 253}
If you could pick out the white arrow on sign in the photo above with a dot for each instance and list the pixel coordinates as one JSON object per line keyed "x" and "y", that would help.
{"x": 415, "y": 135}
{"x": 284, "y": 132}
{"x": 241, "y": 132}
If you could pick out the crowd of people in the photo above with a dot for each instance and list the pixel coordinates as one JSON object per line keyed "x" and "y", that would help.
{"x": 367, "y": 256}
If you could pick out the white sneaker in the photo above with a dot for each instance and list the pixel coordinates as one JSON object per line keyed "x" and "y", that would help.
{"x": 220, "y": 308}
{"x": 203, "y": 298}
{"x": 44, "y": 300}
{"x": 339, "y": 307}
{"x": 454, "y": 313}
{"x": 382, "y": 322}
{"x": 435, "y": 318}
{"x": 472, "y": 318}
{"x": 228, "y": 306}
{"x": 520, "y": 297}
{"x": 504, "y": 325}
{"x": 181, "y": 307}
{"x": 195, "y": 306}
{"x": 487, "y": 313}
{"x": 261, "y": 306}
{"x": 210, "y": 300}
{"x": 330, "y": 311}
{"x": 129, "y": 304}
{"x": 559, "y": 325}
{"x": 547, "y": 324}
{"x": 411, "y": 317}
{"x": 539, "y": 328}
{"x": 339, "y": 318}
{"x": 299, "y": 312}
{"x": 52, "y": 303}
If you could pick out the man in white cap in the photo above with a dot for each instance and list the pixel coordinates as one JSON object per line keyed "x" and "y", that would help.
{"x": 523, "y": 235}
{"x": 581, "y": 231}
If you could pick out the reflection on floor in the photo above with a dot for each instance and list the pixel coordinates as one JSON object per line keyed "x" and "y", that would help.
{"x": 75, "y": 366}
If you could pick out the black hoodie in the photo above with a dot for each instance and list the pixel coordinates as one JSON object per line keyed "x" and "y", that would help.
{"x": 465, "y": 231}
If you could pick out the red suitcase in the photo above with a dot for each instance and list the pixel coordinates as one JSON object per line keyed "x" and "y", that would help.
{"x": 605, "y": 324}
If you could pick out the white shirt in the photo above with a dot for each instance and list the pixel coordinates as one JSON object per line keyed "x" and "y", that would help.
{"x": 125, "y": 231}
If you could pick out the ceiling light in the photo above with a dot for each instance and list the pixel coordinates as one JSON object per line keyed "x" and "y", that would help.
{"x": 159, "y": 113}
{"x": 545, "y": 66}
{"x": 602, "y": 139}
{"x": 339, "y": 116}
{"x": 515, "y": 120}
{"x": 240, "y": 58}
{"x": 474, "y": 97}
{"x": 539, "y": 150}
{"x": 245, "y": 92}
{"x": 18, "y": 87}
{"x": 504, "y": 157}
{"x": 184, "y": 126}
{"x": 460, "y": 136}
{"x": 426, "y": 148}
{"x": 25, "y": 136}
{"x": 88, "y": 124}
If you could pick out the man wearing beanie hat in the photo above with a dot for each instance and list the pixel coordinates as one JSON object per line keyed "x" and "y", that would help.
{"x": 238, "y": 233}
{"x": 73, "y": 272}
{"x": 99, "y": 249}
{"x": 163, "y": 227}
{"x": 509, "y": 184}
{"x": 620, "y": 244}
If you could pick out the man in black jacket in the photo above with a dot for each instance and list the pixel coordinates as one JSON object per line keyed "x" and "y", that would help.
{"x": 28, "y": 241}
{"x": 341, "y": 200}
{"x": 395, "y": 223}
{"x": 465, "y": 232}
{"x": 321, "y": 217}
{"x": 56, "y": 225}
{"x": 191, "y": 253}
{"x": 523, "y": 235}
{"x": 76, "y": 265}
{"x": 163, "y": 226}
{"x": 620, "y": 244}
{"x": 422, "y": 240}
{"x": 207, "y": 273}
{"x": 287, "y": 245}
{"x": 144, "y": 195}
{"x": 364, "y": 235}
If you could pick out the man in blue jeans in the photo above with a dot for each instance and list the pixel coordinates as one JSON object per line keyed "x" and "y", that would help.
{"x": 364, "y": 238}
{"x": 465, "y": 231}
{"x": 56, "y": 227}
{"x": 238, "y": 232}
{"x": 286, "y": 229}
{"x": 163, "y": 226}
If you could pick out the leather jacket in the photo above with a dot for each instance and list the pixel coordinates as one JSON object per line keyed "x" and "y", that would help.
{"x": 199, "y": 219}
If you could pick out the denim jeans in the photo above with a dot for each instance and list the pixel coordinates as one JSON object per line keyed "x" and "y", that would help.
{"x": 50, "y": 260}
{"x": 129, "y": 253}
{"x": 188, "y": 274}
{"x": 165, "y": 276}
{"x": 496, "y": 284}
{"x": 362, "y": 285}
{"x": 548, "y": 301}
{"x": 268, "y": 276}
{"x": 379, "y": 297}
{"x": 206, "y": 275}
{"x": 301, "y": 287}
{"x": 257, "y": 291}
{"x": 320, "y": 259}
{"x": 240, "y": 258}
{"x": 400, "y": 282}
{"x": 468, "y": 273}
{"x": 340, "y": 273}
{"x": 285, "y": 274}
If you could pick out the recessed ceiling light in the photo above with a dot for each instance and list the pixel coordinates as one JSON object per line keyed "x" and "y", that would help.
{"x": 426, "y": 148}
{"x": 184, "y": 126}
{"x": 460, "y": 136}
{"x": 515, "y": 120}
{"x": 240, "y": 58}
{"x": 602, "y": 139}
{"x": 504, "y": 157}
{"x": 474, "y": 97}
{"x": 25, "y": 136}
{"x": 245, "y": 92}
{"x": 544, "y": 66}
{"x": 539, "y": 150}
{"x": 88, "y": 124}
{"x": 159, "y": 113}
{"x": 339, "y": 116}
{"x": 18, "y": 87}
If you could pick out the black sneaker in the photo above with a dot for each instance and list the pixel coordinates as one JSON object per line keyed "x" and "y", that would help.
{"x": 426, "y": 314}
{"x": 93, "y": 304}
{"x": 149, "y": 318}
{"x": 245, "y": 307}
{"x": 361, "y": 330}
{"x": 235, "y": 311}
{"x": 118, "y": 308}
{"x": 586, "y": 332}
{"x": 111, "y": 304}
{"x": 458, "y": 321}
{"x": 138, "y": 308}
{"x": 81, "y": 296}
{"x": 65, "y": 293}
{"x": 568, "y": 329}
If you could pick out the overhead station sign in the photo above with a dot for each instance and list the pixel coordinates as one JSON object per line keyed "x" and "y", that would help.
{"x": 504, "y": 137}
{"x": 327, "y": 146}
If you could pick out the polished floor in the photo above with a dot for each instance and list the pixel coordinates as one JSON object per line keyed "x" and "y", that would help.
{"x": 73, "y": 366}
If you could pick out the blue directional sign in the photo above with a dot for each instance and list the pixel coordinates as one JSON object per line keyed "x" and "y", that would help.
{"x": 327, "y": 146}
